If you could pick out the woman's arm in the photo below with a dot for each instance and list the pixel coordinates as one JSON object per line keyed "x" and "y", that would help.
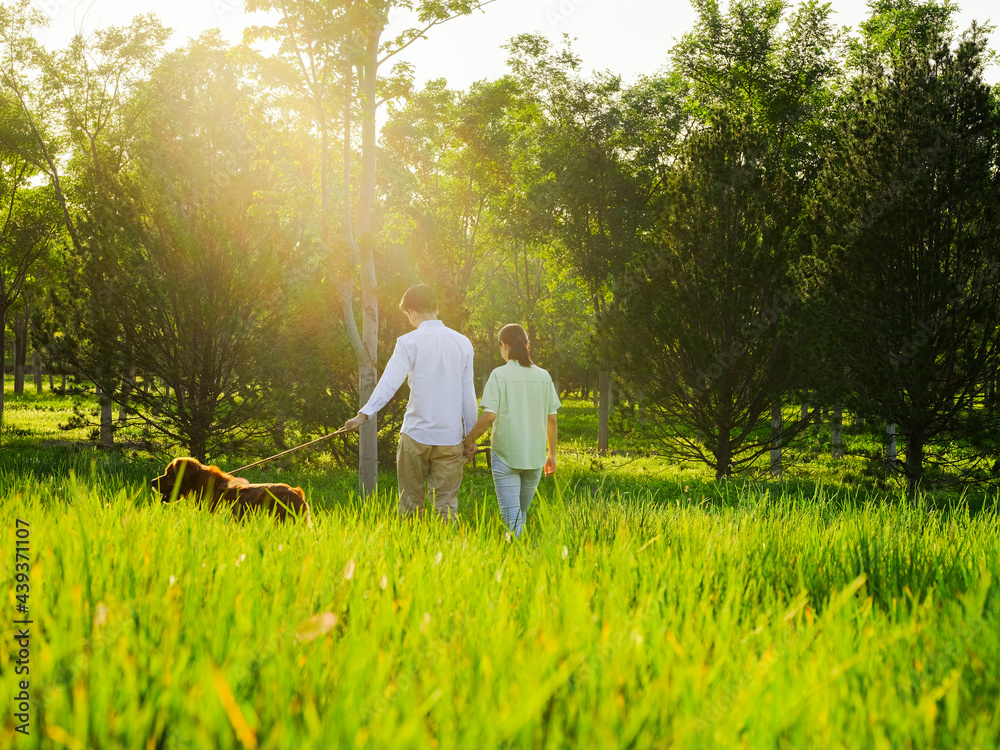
{"x": 481, "y": 426}
{"x": 552, "y": 433}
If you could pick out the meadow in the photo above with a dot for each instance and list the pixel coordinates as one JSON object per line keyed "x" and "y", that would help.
{"x": 645, "y": 607}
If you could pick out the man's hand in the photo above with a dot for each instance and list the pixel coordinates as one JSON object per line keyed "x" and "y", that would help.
{"x": 353, "y": 424}
{"x": 470, "y": 450}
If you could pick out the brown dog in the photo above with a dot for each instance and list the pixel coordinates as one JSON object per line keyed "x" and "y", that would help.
{"x": 212, "y": 486}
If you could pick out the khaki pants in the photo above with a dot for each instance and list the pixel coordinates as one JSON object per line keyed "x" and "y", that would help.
{"x": 436, "y": 466}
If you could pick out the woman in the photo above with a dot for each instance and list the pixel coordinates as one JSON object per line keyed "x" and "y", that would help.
{"x": 520, "y": 401}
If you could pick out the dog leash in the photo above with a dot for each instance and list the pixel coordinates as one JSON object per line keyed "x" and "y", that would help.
{"x": 290, "y": 450}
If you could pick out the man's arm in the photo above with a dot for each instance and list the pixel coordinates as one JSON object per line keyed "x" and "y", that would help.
{"x": 469, "y": 406}
{"x": 396, "y": 370}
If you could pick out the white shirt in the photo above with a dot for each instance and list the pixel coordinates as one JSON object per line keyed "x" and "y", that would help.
{"x": 437, "y": 363}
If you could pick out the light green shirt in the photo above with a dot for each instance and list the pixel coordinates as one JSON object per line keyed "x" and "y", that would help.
{"x": 522, "y": 398}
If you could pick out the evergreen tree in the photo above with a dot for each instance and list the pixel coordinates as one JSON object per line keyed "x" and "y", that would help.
{"x": 905, "y": 229}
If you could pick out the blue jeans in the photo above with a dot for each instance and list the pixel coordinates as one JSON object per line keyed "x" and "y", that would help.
{"x": 515, "y": 491}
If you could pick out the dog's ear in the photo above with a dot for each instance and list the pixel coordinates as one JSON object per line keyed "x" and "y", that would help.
{"x": 186, "y": 473}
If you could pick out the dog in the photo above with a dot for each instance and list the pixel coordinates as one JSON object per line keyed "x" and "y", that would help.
{"x": 211, "y": 486}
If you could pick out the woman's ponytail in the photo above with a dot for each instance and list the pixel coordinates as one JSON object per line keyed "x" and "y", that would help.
{"x": 515, "y": 337}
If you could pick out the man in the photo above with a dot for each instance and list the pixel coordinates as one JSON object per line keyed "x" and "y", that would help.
{"x": 437, "y": 363}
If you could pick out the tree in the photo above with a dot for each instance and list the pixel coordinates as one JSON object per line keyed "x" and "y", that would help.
{"x": 27, "y": 228}
{"x": 212, "y": 268}
{"x": 906, "y": 229}
{"x": 697, "y": 327}
{"x": 76, "y": 130}
{"x": 334, "y": 55}
{"x": 704, "y": 321}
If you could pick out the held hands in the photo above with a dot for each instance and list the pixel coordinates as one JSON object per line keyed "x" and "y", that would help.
{"x": 550, "y": 465}
{"x": 470, "y": 450}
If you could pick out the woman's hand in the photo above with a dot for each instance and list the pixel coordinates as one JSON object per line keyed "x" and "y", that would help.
{"x": 551, "y": 437}
{"x": 475, "y": 433}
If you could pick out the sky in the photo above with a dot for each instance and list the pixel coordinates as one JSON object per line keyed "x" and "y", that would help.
{"x": 628, "y": 37}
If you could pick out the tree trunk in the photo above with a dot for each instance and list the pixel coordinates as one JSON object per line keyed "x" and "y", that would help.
{"x": 128, "y": 383}
{"x": 368, "y": 435}
{"x": 837, "y": 433}
{"x": 107, "y": 424}
{"x": 278, "y": 435}
{"x": 554, "y": 369}
{"x": 914, "y": 459}
{"x": 723, "y": 455}
{"x": 199, "y": 443}
{"x": 20, "y": 353}
{"x": 776, "y": 440}
{"x": 360, "y": 242}
{"x": 604, "y": 411}
{"x": 368, "y": 367}
{"x": 890, "y": 442}
{"x": 36, "y": 364}
{"x": 3, "y": 361}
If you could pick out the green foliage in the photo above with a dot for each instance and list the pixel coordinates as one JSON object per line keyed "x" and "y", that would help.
{"x": 701, "y": 323}
{"x": 706, "y": 305}
{"x": 903, "y": 226}
{"x": 230, "y": 237}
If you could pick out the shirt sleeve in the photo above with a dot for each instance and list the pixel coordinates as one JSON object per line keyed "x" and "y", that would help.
{"x": 491, "y": 395}
{"x": 396, "y": 370}
{"x": 469, "y": 410}
{"x": 554, "y": 402}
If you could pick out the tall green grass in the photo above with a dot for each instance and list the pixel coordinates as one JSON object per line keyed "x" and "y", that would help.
{"x": 755, "y": 619}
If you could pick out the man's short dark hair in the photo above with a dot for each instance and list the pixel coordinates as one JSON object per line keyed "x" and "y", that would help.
{"x": 419, "y": 297}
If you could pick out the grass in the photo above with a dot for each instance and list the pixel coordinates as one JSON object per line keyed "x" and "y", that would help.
{"x": 642, "y": 612}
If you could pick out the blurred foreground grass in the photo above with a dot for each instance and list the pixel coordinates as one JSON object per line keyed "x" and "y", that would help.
{"x": 765, "y": 621}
